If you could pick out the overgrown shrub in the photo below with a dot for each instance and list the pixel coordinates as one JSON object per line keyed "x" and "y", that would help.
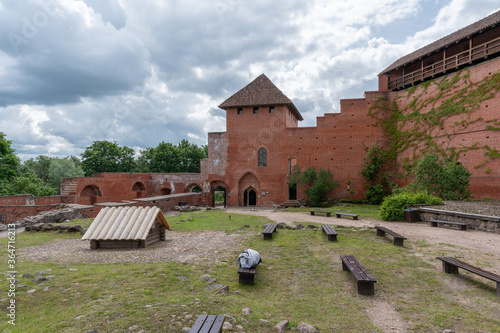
{"x": 375, "y": 194}
{"x": 444, "y": 178}
{"x": 392, "y": 208}
{"x": 318, "y": 184}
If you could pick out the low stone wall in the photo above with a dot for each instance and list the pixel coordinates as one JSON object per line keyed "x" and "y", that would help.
{"x": 58, "y": 215}
{"x": 474, "y": 221}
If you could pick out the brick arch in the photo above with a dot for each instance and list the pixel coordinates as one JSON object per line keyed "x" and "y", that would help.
{"x": 165, "y": 191}
{"x": 139, "y": 189}
{"x": 192, "y": 186}
{"x": 248, "y": 182}
{"x": 91, "y": 192}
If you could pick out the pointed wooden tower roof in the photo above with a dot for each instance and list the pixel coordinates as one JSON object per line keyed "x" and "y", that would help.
{"x": 260, "y": 92}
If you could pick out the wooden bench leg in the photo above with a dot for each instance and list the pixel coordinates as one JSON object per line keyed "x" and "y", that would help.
{"x": 366, "y": 288}
{"x": 332, "y": 238}
{"x": 380, "y": 232}
{"x": 449, "y": 268}
{"x": 312, "y": 213}
{"x": 398, "y": 241}
{"x": 434, "y": 224}
{"x": 327, "y": 214}
{"x": 354, "y": 217}
{"x": 498, "y": 289}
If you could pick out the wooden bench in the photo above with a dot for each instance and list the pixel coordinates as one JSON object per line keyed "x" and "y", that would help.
{"x": 398, "y": 239}
{"x": 365, "y": 281}
{"x": 208, "y": 324}
{"x": 320, "y": 212}
{"x": 451, "y": 265}
{"x": 434, "y": 223}
{"x": 330, "y": 232}
{"x": 268, "y": 231}
{"x": 354, "y": 216}
{"x": 246, "y": 275}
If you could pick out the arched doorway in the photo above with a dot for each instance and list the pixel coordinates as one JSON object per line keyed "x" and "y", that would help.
{"x": 218, "y": 193}
{"x": 249, "y": 197}
{"x": 248, "y": 189}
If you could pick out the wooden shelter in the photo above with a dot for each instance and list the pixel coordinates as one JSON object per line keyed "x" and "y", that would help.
{"x": 127, "y": 227}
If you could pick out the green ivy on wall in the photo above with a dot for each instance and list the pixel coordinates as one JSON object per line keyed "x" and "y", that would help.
{"x": 424, "y": 126}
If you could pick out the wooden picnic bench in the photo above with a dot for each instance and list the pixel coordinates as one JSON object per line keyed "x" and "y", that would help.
{"x": 313, "y": 212}
{"x": 246, "y": 275}
{"x": 330, "y": 232}
{"x": 365, "y": 281}
{"x": 208, "y": 324}
{"x": 268, "y": 231}
{"x": 462, "y": 226}
{"x": 398, "y": 239}
{"x": 451, "y": 265}
{"x": 354, "y": 216}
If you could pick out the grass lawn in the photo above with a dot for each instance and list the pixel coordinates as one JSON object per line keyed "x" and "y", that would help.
{"x": 300, "y": 280}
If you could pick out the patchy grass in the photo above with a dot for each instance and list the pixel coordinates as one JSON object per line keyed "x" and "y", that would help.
{"x": 300, "y": 279}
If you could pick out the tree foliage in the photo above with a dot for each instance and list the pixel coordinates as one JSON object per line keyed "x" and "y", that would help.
{"x": 61, "y": 168}
{"x": 105, "y": 156}
{"x": 317, "y": 184}
{"x": 166, "y": 157}
{"x": 444, "y": 178}
{"x": 9, "y": 162}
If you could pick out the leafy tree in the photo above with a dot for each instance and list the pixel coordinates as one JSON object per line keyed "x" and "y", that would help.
{"x": 61, "y": 168}
{"x": 26, "y": 182}
{"x": 9, "y": 162}
{"x": 444, "y": 178}
{"x": 40, "y": 166}
{"x": 166, "y": 157}
{"x": 105, "y": 156}
{"x": 318, "y": 184}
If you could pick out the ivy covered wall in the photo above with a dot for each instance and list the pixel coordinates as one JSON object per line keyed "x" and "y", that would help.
{"x": 455, "y": 116}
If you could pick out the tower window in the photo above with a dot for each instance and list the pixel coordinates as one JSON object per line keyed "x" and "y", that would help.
{"x": 262, "y": 157}
{"x": 255, "y": 110}
{"x": 271, "y": 109}
{"x": 240, "y": 110}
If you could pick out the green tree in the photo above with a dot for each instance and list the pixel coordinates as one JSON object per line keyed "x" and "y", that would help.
{"x": 26, "y": 183}
{"x": 105, "y": 156}
{"x": 40, "y": 166}
{"x": 166, "y": 157}
{"x": 61, "y": 168}
{"x": 444, "y": 178}
{"x": 9, "y": 162}
{"x": 317, "y": 184}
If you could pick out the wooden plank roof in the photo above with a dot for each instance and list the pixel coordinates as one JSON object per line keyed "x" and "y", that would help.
{"x": 260, "y": 92}
{"x": 459, "y": 35}
{"x": 124, "y": 223}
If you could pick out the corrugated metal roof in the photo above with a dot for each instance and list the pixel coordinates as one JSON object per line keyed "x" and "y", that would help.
{"x": 124, "y": 223}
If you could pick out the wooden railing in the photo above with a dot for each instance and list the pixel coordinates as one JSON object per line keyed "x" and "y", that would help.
{"x": 464, "y": 58}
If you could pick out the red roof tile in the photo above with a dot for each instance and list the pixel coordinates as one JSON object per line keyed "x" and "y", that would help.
{"x": 260, "y": 92}
{"x": 459, "y": 35}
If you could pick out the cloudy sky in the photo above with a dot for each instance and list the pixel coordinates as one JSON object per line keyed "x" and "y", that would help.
{"x": 142, "y": 72}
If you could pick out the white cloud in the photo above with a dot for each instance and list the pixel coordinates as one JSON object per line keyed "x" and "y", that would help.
{"x": 141, "y": 73}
